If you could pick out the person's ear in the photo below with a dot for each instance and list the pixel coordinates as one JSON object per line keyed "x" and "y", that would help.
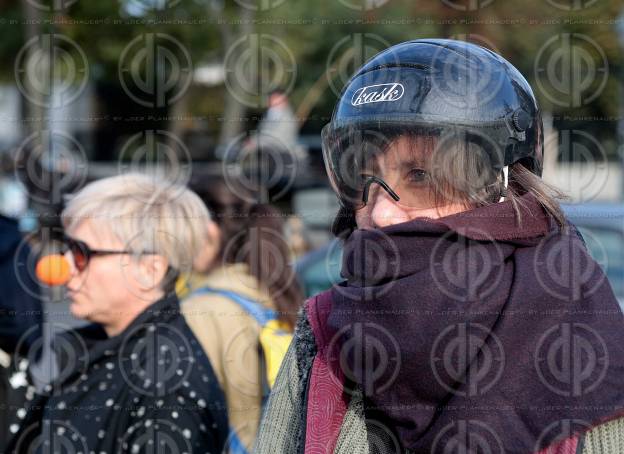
{"x": 152, "y": 271}
{"x": 212, "y": 247}
{"x": 214, "y": 236}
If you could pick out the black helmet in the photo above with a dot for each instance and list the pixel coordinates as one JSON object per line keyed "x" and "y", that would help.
{"x": 451, "y": 92}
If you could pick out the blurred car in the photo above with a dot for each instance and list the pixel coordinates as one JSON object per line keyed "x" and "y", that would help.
{"x": 319, "y": 270}
{"x": 600, "y": 224}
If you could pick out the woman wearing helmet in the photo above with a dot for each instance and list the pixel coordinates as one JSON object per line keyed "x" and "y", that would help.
{"x": 471, "y": 318}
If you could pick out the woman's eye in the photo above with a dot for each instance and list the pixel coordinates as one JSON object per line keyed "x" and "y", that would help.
{"x": 417, "y": 175}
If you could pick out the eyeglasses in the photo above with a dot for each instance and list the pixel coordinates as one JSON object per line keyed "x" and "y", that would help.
{"x": 370, "y": 179}
{"x": 82, "y": 253}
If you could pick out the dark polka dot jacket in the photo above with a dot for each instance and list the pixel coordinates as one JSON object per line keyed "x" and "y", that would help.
{"x": 149, "y": 389}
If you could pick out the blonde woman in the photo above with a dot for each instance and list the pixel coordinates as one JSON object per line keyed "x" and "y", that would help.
{"x": 135, "y": 379}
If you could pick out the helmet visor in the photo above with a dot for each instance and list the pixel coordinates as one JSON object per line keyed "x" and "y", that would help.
{"x": 419, "y": 168}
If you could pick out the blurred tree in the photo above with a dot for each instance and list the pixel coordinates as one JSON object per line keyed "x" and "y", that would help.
{"x": 328, "y": 40}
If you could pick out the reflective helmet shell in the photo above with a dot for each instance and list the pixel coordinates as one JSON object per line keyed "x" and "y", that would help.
{"x": 438, "y": 83}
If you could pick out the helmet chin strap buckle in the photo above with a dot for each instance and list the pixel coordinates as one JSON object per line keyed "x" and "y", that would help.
{"x": 505, "y": 182}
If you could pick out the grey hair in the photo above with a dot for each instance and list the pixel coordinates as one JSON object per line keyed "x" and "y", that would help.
{"x": 145, "y": 213}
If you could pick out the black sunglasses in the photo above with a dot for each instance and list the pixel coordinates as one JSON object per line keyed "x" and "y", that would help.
{"x": 82, "y": 253}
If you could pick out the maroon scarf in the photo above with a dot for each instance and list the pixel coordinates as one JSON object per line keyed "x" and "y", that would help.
{"x": 472, "y": 331}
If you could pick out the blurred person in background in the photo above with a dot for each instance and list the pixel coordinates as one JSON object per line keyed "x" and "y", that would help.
{"x": 271, "y": 154}
{"x": 461, "y": 325}
{"x": 21, "y": 319}
{"x": 136, "y": 377}
{"x": 21, "y": 315}
{"x": 278, "y": 129}
{"x": 244, "y": 307}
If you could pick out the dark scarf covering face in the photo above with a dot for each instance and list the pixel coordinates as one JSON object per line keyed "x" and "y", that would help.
{"x": 474, "y": 332}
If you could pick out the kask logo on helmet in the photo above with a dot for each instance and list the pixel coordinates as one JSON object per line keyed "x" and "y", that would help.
{"x": 378, "y": 93}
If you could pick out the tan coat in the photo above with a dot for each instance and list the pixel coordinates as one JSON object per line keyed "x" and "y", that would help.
{"x": 229, "y": 336}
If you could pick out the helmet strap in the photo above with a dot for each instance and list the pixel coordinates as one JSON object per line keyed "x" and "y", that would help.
{"x": 505, "y": 183}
